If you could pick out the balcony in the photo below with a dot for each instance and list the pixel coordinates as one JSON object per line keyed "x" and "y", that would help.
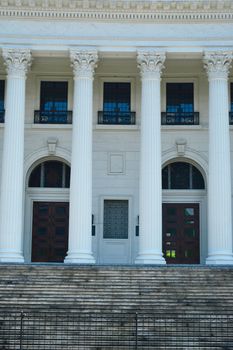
{"x": 180, "y": 118}
{"x": 53, "y": 117}
{"x": 2, "y": 115}
{"x": 116, "y": 118}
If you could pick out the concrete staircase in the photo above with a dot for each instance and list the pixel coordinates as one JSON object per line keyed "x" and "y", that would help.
{"x": 170, "y": 293}
{"x": 117, "y": 288}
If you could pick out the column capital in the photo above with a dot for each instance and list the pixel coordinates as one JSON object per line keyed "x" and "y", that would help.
{"x": 83, "y": 62}
{"x": 217, "y": 64}
{"x": 17, "y": 61}
{"x": 150, "y": 63}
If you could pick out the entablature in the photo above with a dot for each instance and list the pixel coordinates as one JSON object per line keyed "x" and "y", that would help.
{"x": 130, "y": 10}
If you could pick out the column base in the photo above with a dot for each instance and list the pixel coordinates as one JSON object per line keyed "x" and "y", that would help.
{"x": 79, "y": 258}
{"x": 219, "y": 259}
{"x": 150, "y": 259}
{"x": 9, "y": 257}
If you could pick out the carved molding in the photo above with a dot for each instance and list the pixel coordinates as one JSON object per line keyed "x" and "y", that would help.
{"x": 52, "y": 144}
{"x": 83, "y": 62}
{"x": 17, "y": 61}
{"x": 151, "y": 63}
{"x": 181, "y": 147}
{"x": 130, "y": 10}
{"x": 218, "y": 64}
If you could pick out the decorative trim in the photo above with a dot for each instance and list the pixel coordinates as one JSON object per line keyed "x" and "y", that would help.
{"x": 17, "y": 61}
{"x": 218, "y": 64}
{"x": 150, "y": 63}
{"x": 83, "y": 62}
{"x": 115, "y": 10}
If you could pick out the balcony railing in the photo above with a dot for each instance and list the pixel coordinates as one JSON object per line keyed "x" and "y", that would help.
{"x": 180, "y": 118}
{"x": 53, "y": 117}
{"x": 2, "y": 115}
{"x": 117, "y": 118}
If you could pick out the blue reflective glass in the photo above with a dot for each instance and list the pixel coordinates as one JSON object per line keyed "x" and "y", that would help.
{"x": 2, "y": 93}
{"x": 180, "y": 98}
{"x": 231, "y": 102}
{"x": 116, "y": 97}
{"x": 54, "y": 96}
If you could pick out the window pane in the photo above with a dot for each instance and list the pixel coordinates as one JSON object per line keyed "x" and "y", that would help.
{"x": 231, "y": 102}
{"x": 180, "y": 178}
{"x": 34, "y": 180}
{"x": 180, "y": 97}
{"x": 116, "y": 219}
{"x": 165, "y": 178}
{"x": 116, "y": 97}
{"x": 67, "y": 179}
{"x": 53, "y": 174}
{"x": 2, "y": 92}
{"x": 54, "y": 96}
{"x": 179, "y": 175}
{"x": 189, "y": 211}
{"x": 198, "y": 181}
{"x": 50, "y": 174}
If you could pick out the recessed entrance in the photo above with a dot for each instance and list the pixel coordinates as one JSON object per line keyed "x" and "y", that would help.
{"x": 50, "y": 231}
{"x": 181, "y": 233}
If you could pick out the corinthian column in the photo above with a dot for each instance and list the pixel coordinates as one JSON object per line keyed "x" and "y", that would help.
{"x": 17, "y": 62}
{"x": 219, "y": 186}
{"x": 150, "y": 191}
{"x": 80, "y": 240}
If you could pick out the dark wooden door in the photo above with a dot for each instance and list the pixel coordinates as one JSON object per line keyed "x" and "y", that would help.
{"x": 181, "y": 233}
{"x": 50, "y": 231}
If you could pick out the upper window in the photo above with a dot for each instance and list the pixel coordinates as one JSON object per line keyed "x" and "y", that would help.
{"x": 2, "y": 94}
{"x": 116, "y": 104}
{"x": 53, "y": 103}
{"x": 50, "y": 173}
{"x": 180, "y": 105}
{"x": 231, "y": 105}
{"x": 182, "y": 176}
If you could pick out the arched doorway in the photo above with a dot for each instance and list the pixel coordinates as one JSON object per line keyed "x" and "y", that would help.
{"x": 184, "y": 184}
{"x": 49, "y": 182}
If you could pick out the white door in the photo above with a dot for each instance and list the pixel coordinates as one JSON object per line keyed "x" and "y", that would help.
{"x": 114, "y": 244}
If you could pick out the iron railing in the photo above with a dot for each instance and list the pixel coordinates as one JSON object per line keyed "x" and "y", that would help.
{"x": 118, "y": 118}
{"x": 180, "y": 118}
{"x": 2, "y": 115}
{"x": 52, "y": 117}
{"x": 61, "y": 330}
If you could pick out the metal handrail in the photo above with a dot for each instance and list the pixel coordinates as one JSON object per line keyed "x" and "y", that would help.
{"x": 116, "y": 117}
{"x": 52, "y": 117}
{"x": 180, "y": 118}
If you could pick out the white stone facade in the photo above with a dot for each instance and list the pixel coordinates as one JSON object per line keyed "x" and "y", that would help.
{"x": 87, "y": 43}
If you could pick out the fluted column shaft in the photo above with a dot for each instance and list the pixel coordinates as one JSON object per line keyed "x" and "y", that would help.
{"x": 11, "y": 201}
{"x": 150, "y": 188}
{"x": 80, "y": 240}
{"x": 219, "y": 185}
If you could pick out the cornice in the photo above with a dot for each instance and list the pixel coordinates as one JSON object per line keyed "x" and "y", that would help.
{"x": 115, "y": 10}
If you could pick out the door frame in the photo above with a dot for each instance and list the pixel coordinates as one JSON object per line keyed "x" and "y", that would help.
{"x": 100, "y": 225}
{"x": 195, "y": 197}
{"x": 38, "y": 195}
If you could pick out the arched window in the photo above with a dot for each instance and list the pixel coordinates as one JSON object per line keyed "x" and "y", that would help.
{"x": 51, "y": 173}
{"x": 182, "y": 176}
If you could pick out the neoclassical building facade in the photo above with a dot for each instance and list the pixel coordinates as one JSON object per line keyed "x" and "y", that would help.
{"x": 116, "y": 132}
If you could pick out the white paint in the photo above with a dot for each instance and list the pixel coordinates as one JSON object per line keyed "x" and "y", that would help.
{"x": 150, "y": 187}
{"x": 80, "y": 243}
{"x": 11, "y": 204}
{"x": 219, "y": 189}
